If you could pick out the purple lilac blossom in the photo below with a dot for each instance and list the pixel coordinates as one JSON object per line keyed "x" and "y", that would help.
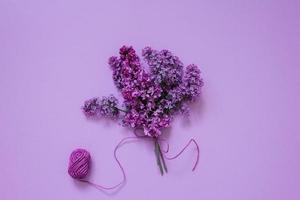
{"x": 166, "y": 69}
{"x": 152, "y": 98}
{"x": 101, "y": 107}
{"x": 192, "y": 82}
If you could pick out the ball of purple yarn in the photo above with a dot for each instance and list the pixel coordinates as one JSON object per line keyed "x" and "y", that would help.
{"x": 79, "y": 163}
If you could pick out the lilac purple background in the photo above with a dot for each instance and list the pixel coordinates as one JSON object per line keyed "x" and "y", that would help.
{"x": 54, "y": 55}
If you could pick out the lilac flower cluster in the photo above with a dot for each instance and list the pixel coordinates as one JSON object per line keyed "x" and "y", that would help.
{"x": 166, "y": 69}
{"x": 104, "y": 107}
{"x": 150, "y": 98}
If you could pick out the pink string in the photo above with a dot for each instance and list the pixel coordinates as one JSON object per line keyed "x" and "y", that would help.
{"x": 100, "y": 187}
{"x": 124, "y": 178}
{"x": 167, "y": 150}
{"x": 182, "y": 150}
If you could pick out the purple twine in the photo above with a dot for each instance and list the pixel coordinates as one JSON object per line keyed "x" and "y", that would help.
{"x": 182, "y": 150}
{"x": 79, "y": 162}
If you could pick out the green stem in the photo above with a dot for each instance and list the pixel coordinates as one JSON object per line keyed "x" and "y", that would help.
{"x": 157, "y": 154}
{"x": 122, "y": 110}
{"x": 162, "y": 158}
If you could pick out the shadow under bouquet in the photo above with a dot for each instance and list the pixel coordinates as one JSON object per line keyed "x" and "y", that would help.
{"x": 153, "y": 92}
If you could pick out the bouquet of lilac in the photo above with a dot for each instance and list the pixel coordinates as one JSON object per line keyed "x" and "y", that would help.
{"x": 152, "y": 95}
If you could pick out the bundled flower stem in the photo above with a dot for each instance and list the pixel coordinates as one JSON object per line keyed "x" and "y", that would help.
{"x": 151, "y": 98}
{"x": 160, "y": 158}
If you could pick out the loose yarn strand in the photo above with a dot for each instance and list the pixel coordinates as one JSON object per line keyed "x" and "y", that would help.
{"x": 79, "y": 161}
{"x": 120, "y": 166}
{"x": 168, "y": 148}
{"x": 182, "y": 150}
